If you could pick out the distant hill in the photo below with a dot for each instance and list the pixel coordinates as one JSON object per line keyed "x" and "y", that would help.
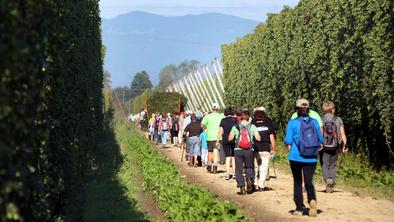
{"x": 142, "y": 41}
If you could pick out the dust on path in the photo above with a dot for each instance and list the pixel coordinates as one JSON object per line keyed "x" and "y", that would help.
{"x": 275, "y": 205}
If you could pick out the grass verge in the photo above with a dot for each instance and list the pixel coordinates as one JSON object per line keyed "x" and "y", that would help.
{"x": 179, "y": 200}
{"x": 111, "y": 189}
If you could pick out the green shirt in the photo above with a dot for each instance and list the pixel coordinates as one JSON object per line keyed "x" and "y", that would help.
{"x": 313, "y": 114}
{"x": 211, "y": 123}
{"x": 253, "y": 132}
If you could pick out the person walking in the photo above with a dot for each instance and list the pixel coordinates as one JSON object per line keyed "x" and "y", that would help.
{"x": 204, "y": 148}
{"x": 243, "y": 152}
{"x": 304, "y": 139}
{"x": 142, "y": 119}
{"x": 265, "y": 148}
{"x": 174, "y": 129}
{"x": 334, "y": 141}
{"x": 211, "y": 124}
{"x": 193, "y": 131}
{"x": 164, "y": 125}
{"x": 156, "y": 132}
{"x": 225, "y": 127}
{"x": 151, "y": 129}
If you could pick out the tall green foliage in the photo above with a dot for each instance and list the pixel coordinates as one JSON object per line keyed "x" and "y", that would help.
{"x": 322, "y": 50}
{"x": 51, "y": 104}
{"x": 159, "y": 101}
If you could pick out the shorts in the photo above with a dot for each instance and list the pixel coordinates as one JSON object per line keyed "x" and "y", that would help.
{"x": 229, "y": 149}
{"x": 211, "y": 146}
{"x": 194, "y": 147}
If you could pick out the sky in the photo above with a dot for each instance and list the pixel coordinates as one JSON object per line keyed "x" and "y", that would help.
{"x": 251, "y": 9}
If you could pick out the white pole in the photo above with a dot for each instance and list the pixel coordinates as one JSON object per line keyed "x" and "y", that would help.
{"x": 200, "y": 94}
{"x": 180, "y": 89}
{"x": 219, "y": 77}
{"x": 193, "y": 87}
{"x": 204, "y": 88}
{"x": 186, "y": 89}
{"x": 215, "y": 87}
{"x": 214, "y": 95}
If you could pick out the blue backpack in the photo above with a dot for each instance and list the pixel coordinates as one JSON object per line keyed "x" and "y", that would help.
{"x": 309, "y": 144}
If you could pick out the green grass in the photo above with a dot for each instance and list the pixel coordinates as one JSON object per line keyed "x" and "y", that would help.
{"x": 354, "y": 174}
{"x": 179, "y": 200}
{"x": 110, "y": 190}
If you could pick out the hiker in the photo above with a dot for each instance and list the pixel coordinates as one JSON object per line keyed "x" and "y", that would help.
{"x": 164, "y": 125}
{"x": 204, "y": 148}
{"x": 225, "y": 127}
{"x": 211, "y": 124}
{"x": 304, "y": 140}
{"x": 151, "y": 129}
{"x": 156, "y": 132}
{"x": 334, "y": 141}
{"x": 313, "y": 114}
{"x": 142, "y": 119}
{"x": 265, "y": 148}
{"x": 174, "y": 129}
{"x": 180, "y": 122}
{"x": 243, "y": 152}
{"x": 193, "y": 130}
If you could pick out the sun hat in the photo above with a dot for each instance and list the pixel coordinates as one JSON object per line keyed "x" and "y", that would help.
{"x": 215, "y": 106}
{"x": 302, "y": 103}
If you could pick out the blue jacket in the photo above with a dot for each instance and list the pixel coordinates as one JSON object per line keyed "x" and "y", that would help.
{"x": 293, "y": 136}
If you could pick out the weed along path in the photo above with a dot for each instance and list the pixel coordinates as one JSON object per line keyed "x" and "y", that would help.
{"x": 275, "y": 205}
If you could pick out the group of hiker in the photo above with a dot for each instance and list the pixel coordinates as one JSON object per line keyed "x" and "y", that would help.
{"x": 246, "y": 143}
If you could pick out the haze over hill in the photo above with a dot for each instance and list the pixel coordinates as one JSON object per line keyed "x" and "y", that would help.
{"x": 142, "y": 41}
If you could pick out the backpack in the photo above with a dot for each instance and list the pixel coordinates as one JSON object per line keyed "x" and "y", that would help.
{"x": 309, "y": 144}
{"x": 175, "y": 125}
{"x": 330, "y": 135}
{"x": 244, "y": 138}
{"x": 156, "y": 122}
{"x": 164, "y": 126}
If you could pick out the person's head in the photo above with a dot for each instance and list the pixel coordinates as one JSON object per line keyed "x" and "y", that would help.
{"x": 193, "y": 118}
{"x": 260, "y": 115}
{"x": 215, "y": 107}
{"x": 229, "y": 111}
{"x": 245, "y": 115}
{"x": 260, "y": 108}
{"x": 302, "y": 107}
{"x": 328, "y": 107}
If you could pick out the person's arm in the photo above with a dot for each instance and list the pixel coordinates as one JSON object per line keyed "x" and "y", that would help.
{"x": 220, "y": 135}
{"x": 232, "y": 134}
{"x": 273, "y": 144}
{"x": 256, "y": 133}
{"x": 344, "y": 140}
{"x": 289, "y": 136}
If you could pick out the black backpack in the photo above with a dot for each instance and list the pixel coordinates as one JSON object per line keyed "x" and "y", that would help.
{"x": 330, "y": 135}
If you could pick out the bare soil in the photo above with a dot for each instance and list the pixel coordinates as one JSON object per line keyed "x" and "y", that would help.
{"x": 277, "y": 204}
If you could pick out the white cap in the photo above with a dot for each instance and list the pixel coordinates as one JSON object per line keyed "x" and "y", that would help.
{"x": 189, "y": 112}
{"x": 260, "y": 108}
{"x": 215, "y": 106}
{"x": 168, "y": 114}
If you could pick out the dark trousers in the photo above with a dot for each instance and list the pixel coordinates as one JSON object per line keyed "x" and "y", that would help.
{"x": 297, "y": 168}
{"x": 173, "y": 135}
{"x": 244, "y": 159}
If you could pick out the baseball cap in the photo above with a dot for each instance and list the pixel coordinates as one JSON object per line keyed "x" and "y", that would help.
{"x": 260, "y": 108}
{"x": 302, "y": 103}
{"x": 215, "y": 106}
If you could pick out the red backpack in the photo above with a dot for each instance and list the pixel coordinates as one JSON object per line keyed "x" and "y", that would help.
{"x": 244, "y": 138}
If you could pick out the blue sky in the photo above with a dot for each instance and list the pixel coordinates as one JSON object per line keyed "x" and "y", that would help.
{"x": 251, "y": 9}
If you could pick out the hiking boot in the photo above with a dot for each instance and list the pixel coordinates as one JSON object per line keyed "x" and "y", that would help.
{"x": 209, "y": 168}
{"x": 249, "y": 186}
{"x": 228, "y": 177}
{"x": 330, "y": 186}
{"x": 313, "y": 208}
{"x": 297, "y": 213}
{"x": 241, "y": 191}
{"x": 215, "y": 169}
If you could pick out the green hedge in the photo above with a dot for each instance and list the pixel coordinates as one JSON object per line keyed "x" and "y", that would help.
{"x": 51, "y": 104}
{"x": 338, "y": 50}
{"x": 179, "y": 200}
{"x": 159, "y": 101}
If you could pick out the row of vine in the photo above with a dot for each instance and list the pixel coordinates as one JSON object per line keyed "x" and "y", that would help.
{"x": 51, "y": 104}
{"x": 338, "y": 50}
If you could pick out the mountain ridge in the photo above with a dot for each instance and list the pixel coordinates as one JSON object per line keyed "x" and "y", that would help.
{"x": 138, "y": 41}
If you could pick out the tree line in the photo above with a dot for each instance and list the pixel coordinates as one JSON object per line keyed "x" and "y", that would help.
{"x": 338, "y": 50}
{"x": 51, "y": 105}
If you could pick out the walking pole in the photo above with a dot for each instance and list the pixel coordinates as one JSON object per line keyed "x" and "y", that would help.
{"x": 273, "y": 165}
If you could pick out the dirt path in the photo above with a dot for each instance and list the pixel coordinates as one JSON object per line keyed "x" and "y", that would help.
{"x": 277, "y": 204}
